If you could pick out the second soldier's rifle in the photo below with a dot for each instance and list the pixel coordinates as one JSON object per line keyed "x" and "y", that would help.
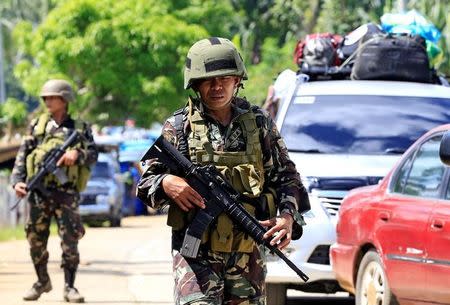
{"x": 48, "y": 166}
{"x": 219, "y": 196}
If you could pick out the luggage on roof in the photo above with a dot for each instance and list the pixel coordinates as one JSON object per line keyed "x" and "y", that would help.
{"x": 393, "y": 57}
{"x": 351, "y": 41}
{"x": 318, "y": 50}
{"x": 403, "y": 48}
{"x": 414, "y": 23}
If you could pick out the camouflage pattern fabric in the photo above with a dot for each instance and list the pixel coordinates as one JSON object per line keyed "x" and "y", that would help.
{"x": 87, "y": 155}
{"x": 64, "y": 207}
{"x": 216, "y": 278}
{"x": 280, "y": 171}
{"x": 61, "y": 203}
{"x": 227, "y": 278}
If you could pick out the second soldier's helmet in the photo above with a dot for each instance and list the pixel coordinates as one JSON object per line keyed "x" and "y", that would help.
{"x": 212, "y": 57}
{"x": 58, "y": 87}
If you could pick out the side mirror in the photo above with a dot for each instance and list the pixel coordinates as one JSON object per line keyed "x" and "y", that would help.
{"x": 444, "y": 149}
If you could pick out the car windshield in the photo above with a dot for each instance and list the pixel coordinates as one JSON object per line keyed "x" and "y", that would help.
{"x": 101, "y": 170}
{"x": 360, "y": 124}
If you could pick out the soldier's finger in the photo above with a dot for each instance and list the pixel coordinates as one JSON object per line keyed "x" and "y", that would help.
{"x": 285, "y": 241}
{"x": 197, "y": 196}
{"x": 278, "y": 237}
{"x": 181, "y": 205}
{"x": 196, "y": 199}
{"x": 61, "y": 160}
{"x": 20, "y": 194}
{"x": 187, "y": 203}
{"x": 267, "y": 223}
{"x": 264, "y": 223}
{"x": 271, "y": 232}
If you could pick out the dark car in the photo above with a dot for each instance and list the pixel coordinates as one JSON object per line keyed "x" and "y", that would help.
{"x": 102, "y": 199}
{"x": 393, "y": 239}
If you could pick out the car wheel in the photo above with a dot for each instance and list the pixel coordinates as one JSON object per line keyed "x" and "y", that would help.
{"x": 276, "y": 294}
{"x": 372, "y": 287}
{"x": 115, "y": 220}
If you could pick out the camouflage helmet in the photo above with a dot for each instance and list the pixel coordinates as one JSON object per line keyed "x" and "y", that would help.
{"x": 58, "y": 87}
{"x": 212, "y": 57}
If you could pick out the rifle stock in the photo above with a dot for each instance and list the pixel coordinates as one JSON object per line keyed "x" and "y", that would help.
{"x": 219, "y": 196}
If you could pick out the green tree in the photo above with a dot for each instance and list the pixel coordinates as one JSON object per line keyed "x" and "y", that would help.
{"x": 438, "y": 12}
{"x": 13, "y": 114}
{"x": 125, "y": 58}
{"x": 11, "y": 13}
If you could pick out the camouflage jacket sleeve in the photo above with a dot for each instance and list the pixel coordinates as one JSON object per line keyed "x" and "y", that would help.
{"x": 149, "y": 188}
{"x": 281, "y": 174}
{"x": 29, "y": 142}
{"x": 87, "y": 153}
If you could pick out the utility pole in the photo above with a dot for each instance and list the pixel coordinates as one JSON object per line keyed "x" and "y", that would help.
{"x": 402, "y": 5}
{"x": 2, "y": 74}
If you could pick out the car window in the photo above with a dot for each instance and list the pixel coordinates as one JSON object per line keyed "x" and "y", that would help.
{"x": 402, "y": 174}
{"x": 354, "y": 124}
{"x": 425, "y": 175}
{"x": 447, "y": 194}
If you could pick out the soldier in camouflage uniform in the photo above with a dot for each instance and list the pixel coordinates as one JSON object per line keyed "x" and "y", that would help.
{"x": 61, "y": 200}
{"x": 242, "y": 141}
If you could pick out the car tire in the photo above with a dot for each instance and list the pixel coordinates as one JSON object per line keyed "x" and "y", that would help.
{"x": 115, "y": 221}
{"x": 372, "y": 286}
{"x": 276, "y": 294}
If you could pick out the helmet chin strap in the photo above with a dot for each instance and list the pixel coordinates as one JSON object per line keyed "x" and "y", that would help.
{"x": 238, "y": 86}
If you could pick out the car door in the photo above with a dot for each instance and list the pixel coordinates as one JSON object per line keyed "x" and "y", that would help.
{"x": 438, "y": 248}
{"x": 404, "y": 216}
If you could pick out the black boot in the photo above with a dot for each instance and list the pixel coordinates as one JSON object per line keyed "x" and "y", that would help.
{"x": 42, "y": 285}
{"x": 71, "y": 294}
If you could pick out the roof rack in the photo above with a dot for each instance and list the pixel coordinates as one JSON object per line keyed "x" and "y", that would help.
{"x": 316, "y": 73}
{"x": 326, "y": 72}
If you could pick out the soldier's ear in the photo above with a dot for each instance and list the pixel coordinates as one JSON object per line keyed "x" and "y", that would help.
{"x": 237, "y": 81}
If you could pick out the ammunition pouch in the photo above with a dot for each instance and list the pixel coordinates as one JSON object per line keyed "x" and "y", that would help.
{"x": 244, "y": 170}
{"x": 77, "y": 175}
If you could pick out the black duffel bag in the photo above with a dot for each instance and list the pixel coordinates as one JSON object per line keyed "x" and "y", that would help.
{"x": 393, "y": 57}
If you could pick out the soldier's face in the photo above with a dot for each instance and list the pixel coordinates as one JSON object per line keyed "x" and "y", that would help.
{"x": 216, "y": 92}
{"x": 55, "y": 104}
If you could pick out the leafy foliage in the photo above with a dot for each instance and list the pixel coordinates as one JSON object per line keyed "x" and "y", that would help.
{"x": 125, "y": 58}
{"x": 13, "y": 111}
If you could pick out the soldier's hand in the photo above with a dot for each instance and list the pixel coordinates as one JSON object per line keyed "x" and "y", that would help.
{"x": 69, "y": 158}
{"x": 181, "y": 193}
{"x": 21, "y": 189}
{"x": 280, "y": 230}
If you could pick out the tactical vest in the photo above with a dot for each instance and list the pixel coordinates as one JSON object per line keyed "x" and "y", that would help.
{"x": 78, "y": 175}
{"x": 243, "y": 169}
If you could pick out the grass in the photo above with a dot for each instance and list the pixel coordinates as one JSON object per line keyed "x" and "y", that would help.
{"x": 18, "y": 232}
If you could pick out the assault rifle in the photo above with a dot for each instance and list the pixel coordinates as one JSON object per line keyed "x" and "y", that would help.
{"x": 220, "y": 197}
{"x": 48, "y": 166}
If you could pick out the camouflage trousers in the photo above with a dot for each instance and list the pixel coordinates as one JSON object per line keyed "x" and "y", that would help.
{"x": 64, "y": 207}
{"x": 216, "y": 278}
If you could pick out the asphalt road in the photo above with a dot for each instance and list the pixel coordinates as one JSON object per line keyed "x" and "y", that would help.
{"x": 126, "y": 265}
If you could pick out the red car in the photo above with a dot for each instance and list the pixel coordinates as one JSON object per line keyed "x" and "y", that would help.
{"x": 393, "y": 239}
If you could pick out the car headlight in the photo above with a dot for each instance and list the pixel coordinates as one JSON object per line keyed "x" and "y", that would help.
{"x": 309, "y": 183}
{"x": 101, "y": 199}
